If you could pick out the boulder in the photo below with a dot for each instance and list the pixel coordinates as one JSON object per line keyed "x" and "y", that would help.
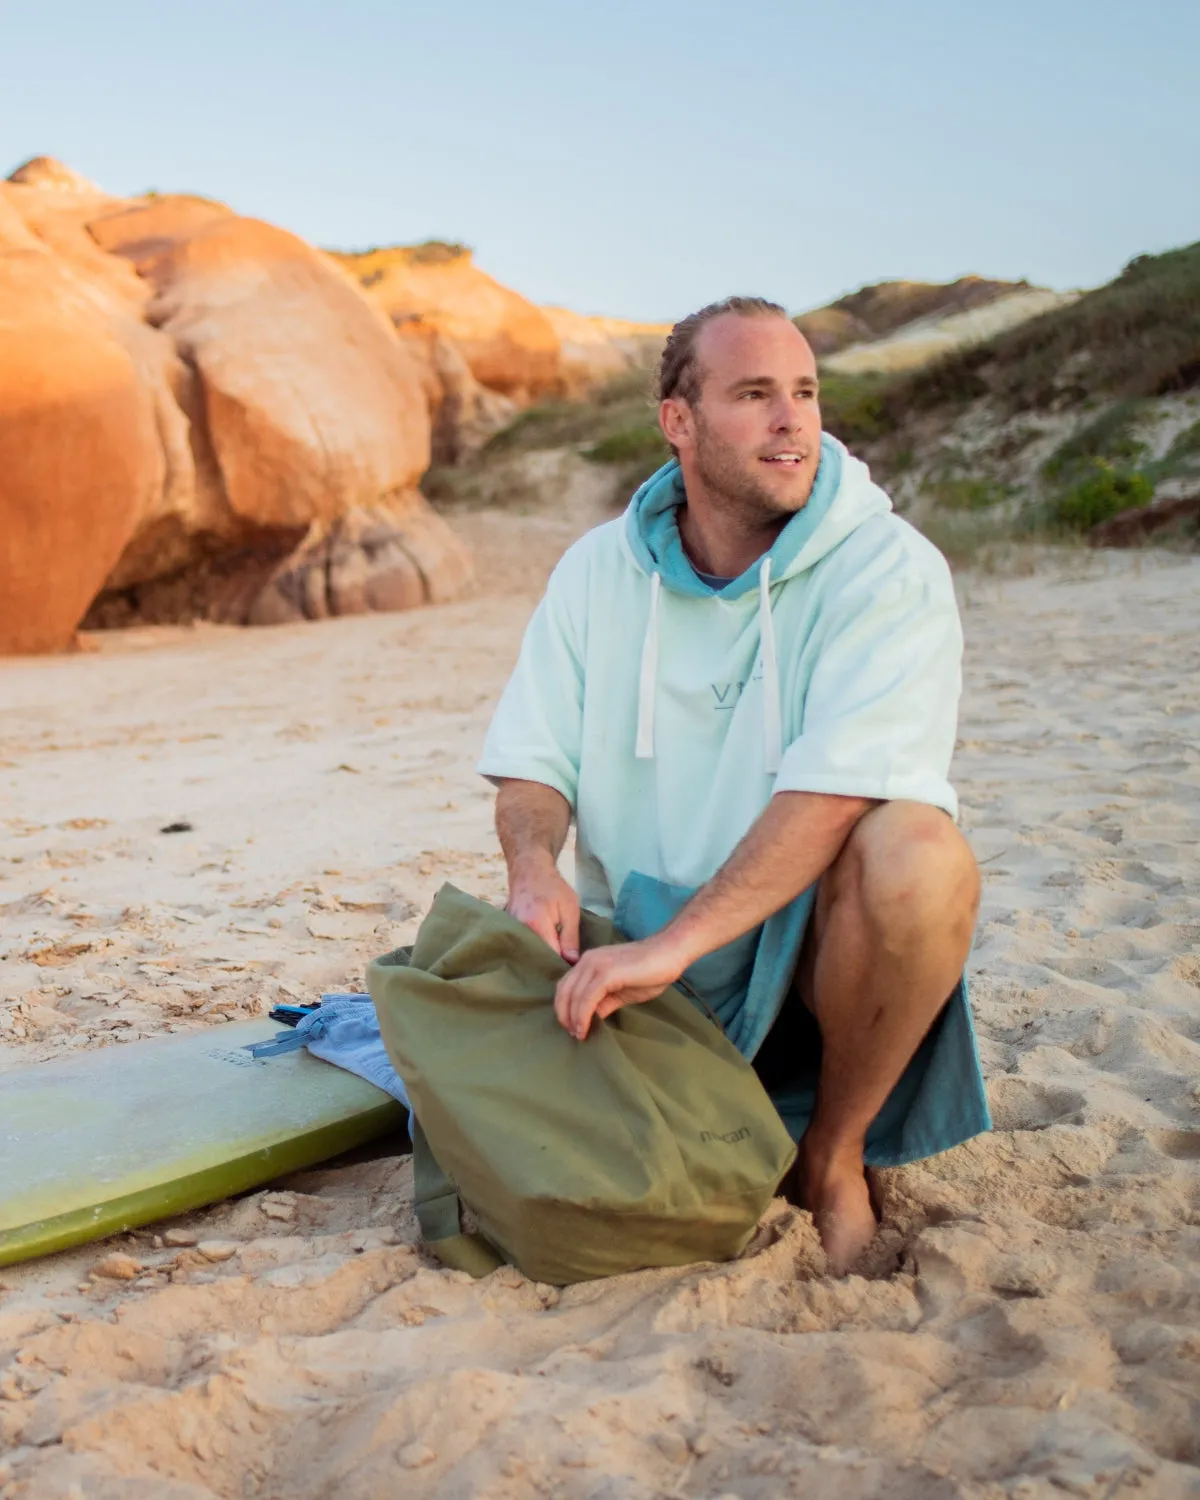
{"x": 367, "y": 560}
{"x": 464, "y": 413}
{"x": 187, "y": 397}
{"x": 80, "y": 456}
{"x": 169, "y": 513}
{"x": 509, "y": 344}
{"x": 311, "y": 407}
{"x": 309, "y": 402}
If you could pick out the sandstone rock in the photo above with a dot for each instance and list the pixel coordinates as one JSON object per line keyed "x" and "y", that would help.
{"x": 217, "y": 1250}
{"x": 509, "y": 344}
{"x": 463, "y": 412}
{"x": 153, "y": 225}
{"x": 80, "y": 456}
{"x": 58, "y": 215}
{"x": 45, "y": 172}
{"x": 367, "y": 560}
{"x": 597, "y": 350}
{"x": 186, "y": 397}
{"x": 312, "y": 406}
{"x": 118, "y": 1267}
{"x": 190, "y": 485}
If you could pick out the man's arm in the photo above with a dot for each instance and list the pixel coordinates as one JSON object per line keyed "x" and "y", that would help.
{"x": 532, "y": 821}
{"x": 791, "y": 844}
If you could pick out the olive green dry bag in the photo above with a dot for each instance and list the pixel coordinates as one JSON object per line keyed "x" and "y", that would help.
{"x": 652, "y": 1143}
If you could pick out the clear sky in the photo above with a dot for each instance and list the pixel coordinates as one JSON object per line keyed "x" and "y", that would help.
{"x": 641, "y": 157}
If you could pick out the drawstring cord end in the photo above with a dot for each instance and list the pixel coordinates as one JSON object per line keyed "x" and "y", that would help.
{"x": 772, "y": 716}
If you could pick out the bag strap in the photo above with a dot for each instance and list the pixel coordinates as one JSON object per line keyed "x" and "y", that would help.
{"x": 439, "y": 1213}
{"x": 700, "y": 1003}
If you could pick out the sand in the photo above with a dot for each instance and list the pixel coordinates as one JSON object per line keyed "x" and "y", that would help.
{"x": 1028, "y": 1324}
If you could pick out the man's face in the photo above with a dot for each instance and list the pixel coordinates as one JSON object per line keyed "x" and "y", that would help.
{"x": 753, "y": 435}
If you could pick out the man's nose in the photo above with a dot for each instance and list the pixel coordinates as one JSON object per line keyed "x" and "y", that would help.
{"x": 786, "y": 413}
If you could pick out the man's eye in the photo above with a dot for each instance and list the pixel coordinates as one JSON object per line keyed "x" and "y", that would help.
{"x": 755, "y": 394}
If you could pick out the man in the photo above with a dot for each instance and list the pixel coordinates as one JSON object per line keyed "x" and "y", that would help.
{"x": 745, "y": 692}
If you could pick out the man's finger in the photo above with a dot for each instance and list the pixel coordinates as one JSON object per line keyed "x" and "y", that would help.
{"x": 581, "y": 1016}
{"x": 608, "y": 1005}
{"x": 562, "y": 1000}
{"x": 542, "y": 921}
{"x": 568, "y": 933}
{"x": 567, "y": 988}
{"x": 590, "y": 988}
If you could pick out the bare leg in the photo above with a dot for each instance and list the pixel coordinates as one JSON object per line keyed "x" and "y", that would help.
{"x": 891, "y": 932}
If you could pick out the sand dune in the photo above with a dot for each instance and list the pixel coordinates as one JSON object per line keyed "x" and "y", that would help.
{"x": 1029, "y": 1323}
{"x": 925, "y": 339}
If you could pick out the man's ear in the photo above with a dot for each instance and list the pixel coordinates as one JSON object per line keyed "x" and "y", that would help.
{"x": 675, "y": 419}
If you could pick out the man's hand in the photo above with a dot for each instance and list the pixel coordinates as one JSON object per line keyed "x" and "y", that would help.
{"x": 605, "y": 979}
{"x": 791, "y": 844}
{"x": 532, "y": 821}
{"x": 539, "y": 897}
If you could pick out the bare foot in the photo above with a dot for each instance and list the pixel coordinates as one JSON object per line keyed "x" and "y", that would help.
{"x": 838, "y": 1196}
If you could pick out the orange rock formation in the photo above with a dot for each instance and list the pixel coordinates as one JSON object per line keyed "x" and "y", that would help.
{"x": 187, "y": 397}
{"x": 79, "y": 452}
{"x": 509, "y": 344}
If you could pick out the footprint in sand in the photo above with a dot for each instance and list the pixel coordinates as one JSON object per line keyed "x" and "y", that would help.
{"x": 1179, "y": 1145}
{"x": 1022, "y": 1104}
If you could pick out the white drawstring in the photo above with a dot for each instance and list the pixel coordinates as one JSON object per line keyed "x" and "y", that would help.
{"x": 648, "y": 683}
{"x": 648, "y": 680}
{"x": 772, "y": 723}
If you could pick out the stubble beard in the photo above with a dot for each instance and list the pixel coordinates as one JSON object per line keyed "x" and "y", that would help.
{"x": 735, "y": 492}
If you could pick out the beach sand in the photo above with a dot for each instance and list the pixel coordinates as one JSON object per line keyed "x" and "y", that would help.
{"x": 1028, "y": 1324}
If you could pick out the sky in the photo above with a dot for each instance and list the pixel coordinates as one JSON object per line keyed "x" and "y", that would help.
{"x": 642, "y": 157}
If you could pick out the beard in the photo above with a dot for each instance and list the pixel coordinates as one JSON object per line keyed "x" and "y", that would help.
{"x": 735, "y": 486}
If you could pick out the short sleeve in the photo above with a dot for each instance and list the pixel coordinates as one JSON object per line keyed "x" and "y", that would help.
{"x": 537, "y": 729}
{"x": 880, "y": 712}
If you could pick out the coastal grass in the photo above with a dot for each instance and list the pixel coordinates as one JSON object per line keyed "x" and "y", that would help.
{"x": 1138, "y": 336}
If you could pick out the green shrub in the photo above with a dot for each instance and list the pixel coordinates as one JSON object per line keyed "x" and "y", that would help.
{"x": 1111, "y": 436}
{"x": 854, "y": 407}
{"x": 985, "y": 540}
{"x": 642, "y": 441}
{"x": 437, "y": 252}
{"x": 620, "y": 409}
{"x": 1104, "y": 493}
{"x": 1180, "y": 461}
{"x": 1186, "y": 444}
{"x": 967, "y": 494}
{"x": 550, "y": 424}
{"x": 634, "y": 387}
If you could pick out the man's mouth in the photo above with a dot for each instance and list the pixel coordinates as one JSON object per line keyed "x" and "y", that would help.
{"x": 784, "y": 459}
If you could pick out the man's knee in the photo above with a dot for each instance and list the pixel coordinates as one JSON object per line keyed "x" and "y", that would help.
{"x": 906, "y": 864}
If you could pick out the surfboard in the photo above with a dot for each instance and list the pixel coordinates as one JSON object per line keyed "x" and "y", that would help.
{"x": 108, "y": 1140}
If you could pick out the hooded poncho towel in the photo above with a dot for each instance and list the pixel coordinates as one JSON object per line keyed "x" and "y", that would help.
{"x": 668, "y": 713}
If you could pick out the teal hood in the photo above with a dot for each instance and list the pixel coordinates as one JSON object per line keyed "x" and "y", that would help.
{"x": 652, "y": 529}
